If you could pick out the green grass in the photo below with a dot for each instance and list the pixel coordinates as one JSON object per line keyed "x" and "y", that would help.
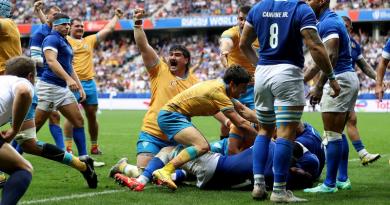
{"x": 118, "y": 135}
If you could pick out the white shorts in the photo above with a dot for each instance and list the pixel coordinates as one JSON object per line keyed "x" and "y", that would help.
{"x": 203, "y": 168}
{"x": 278, "y": 85}
{"x": 349, "y": 84}
{"x": 51, "y": 96}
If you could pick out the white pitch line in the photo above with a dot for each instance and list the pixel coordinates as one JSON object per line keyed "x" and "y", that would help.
{"x": 73, "y": 196}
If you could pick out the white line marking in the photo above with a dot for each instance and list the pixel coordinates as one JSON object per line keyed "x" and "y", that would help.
{"x": 73, "y": 196}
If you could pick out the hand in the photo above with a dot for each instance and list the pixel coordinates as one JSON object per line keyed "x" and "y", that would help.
{"x": 9, "y": 134}
{"x": 315, "y": 95}
{"x": 118, "y": 13}
{"x": 72, "y": 85}
{"x": 38, "y": 5}
{"x": 379, "y": 91}
{"x": 138, "y": 14}
{"x": 335, "y": 88}
{"x": 83, "y": 96}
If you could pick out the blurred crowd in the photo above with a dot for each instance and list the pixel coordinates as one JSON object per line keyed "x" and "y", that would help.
{"x": 119, "y": 66}
{"x": 104, "y": 9}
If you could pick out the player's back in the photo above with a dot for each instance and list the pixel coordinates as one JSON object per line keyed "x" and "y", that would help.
{"x": 278, "y": 25}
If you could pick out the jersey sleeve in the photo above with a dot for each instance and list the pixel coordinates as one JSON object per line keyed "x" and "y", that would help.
{"x": 250, "y": 17}
{"x": 51, "y": 43}
{"x": 386, "y": 50}
{"x": 36, "y": 46}
{"x": 306, "y": 17}
{"x": 328, "y": 30}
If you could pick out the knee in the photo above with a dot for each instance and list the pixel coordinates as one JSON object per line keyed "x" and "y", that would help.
{"x": 54, "y": 118}
{"x": 78, "y": 122}
{"x": 26, "y": 165}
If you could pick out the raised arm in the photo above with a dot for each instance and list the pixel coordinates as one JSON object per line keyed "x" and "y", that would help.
{"x": 38, "y": 7}
{"x": 110, "y": 26}
{"x": 381, "y": 70}
{"x": 148, "y": 54}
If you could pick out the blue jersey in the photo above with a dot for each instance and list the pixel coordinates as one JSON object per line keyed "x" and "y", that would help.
{"x": 278, "y": 25}
{"x": 332, "y": 26}
{"x": 60, "y": 45}
{"x": 386, "y": 50}
{"x": 356, "y": 52}
{"x": 36, "y": 44}
{"x": 311, "y": 139}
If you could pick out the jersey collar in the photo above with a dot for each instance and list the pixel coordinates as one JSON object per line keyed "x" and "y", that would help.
{"x": 325, "y": 14}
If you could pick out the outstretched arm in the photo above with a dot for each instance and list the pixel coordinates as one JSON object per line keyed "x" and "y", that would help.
{"x": 110, "y": 26}
{"x": 38, "y": 7}
{"x": 148, "y": 54}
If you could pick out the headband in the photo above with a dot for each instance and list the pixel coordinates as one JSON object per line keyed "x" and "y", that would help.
{"x": 61, "y": 21}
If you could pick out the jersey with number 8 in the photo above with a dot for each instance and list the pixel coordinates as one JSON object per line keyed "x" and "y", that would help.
{"x": 278, "y": 25}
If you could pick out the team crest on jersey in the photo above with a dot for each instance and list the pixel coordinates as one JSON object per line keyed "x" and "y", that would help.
{"x": 85, "y": 46}
{"x": 173, "y": 83}
{"x": 145, "y": 144}
{"x": 353, "y": 45}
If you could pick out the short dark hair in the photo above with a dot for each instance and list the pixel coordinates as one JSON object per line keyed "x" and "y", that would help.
{"x": 60, "y": 16}
{"x": 52, "y": 7}
{"x": 346, "y": 18}
{"x": 20, "y": 66}
{"x": 244, "y": 9}
{"x": 237, "y": 74}
{"x": 185, "y": 52}
{"x": 75, "y": 19}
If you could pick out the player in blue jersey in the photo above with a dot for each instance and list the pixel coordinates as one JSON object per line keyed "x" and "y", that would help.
{"x": 212, "y": 169}
{"x": 279, "y": 90}
{"x": 335, "y": 36}
{"x": 381, "y": 70}
{"x": 37, "y": 55}
{"x": 353, "y": 133}
{"x": 53, "y": 93}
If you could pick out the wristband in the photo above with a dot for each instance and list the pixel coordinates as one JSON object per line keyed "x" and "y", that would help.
{"x": 331, "y": 76}
{"x": 138, "y": 23}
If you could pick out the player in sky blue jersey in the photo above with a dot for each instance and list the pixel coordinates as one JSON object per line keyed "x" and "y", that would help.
{"x": 279, "y": 27}
{"x": 37, "y": 55}
{"x": 381, "y": 70}
{"x": 335, "y": 36}
{"x": 353, "y": 133}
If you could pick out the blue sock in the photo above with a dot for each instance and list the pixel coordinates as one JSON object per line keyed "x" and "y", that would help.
{"x": 154, "y": 164}
{"x": 56, "y": 132}
{"x": 79, "y": 139}
{"x": 260, "y": 154}
{"x": 358, "y": 145}
{"x": 16, "y": 186}
{"x": 180, "y": 175}
{"x": 343, "y": 168}
{"x": 333, "y": 157}
{"x": 16, "y": 146}
{"x": 282, "y": 159}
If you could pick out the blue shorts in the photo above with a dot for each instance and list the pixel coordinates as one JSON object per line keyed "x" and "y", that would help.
{"x": 248, "y": 98}
{"x": 147, "y": 143}
{"x": 171, "y": 123}
{"x": 90, "y": 91}
{"x": 220, "y": 146}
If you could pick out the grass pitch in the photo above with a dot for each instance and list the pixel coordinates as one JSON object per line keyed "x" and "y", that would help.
{"x": 54, "y": 183}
